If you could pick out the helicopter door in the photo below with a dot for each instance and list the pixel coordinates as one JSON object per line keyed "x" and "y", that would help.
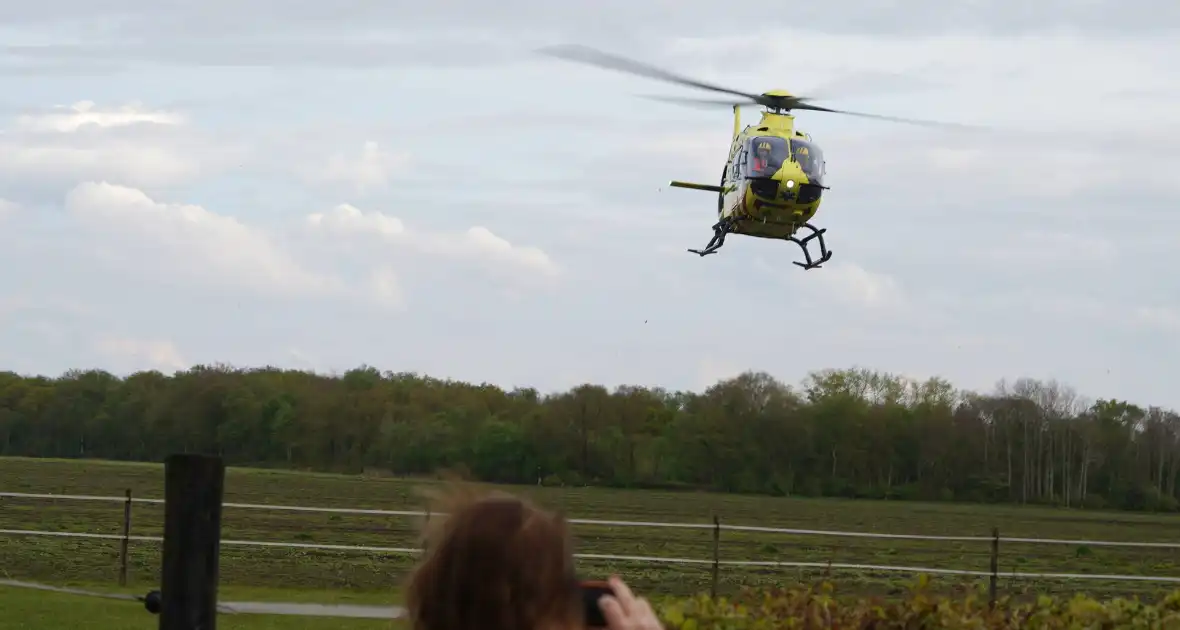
{"x": 735, "y": 182}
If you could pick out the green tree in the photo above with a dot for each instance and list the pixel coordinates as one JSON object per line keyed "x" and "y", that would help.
{"x": 848, "y": 433}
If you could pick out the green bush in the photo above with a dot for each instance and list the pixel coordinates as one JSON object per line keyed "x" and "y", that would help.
{"x": 818, "y": 608}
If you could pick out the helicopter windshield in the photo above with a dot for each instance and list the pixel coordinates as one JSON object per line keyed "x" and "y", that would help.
{"x": 810, "y": 159}
{"x": 767, "y": 154}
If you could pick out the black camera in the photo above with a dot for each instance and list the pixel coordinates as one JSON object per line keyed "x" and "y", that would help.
{"x": 592, "y": 590}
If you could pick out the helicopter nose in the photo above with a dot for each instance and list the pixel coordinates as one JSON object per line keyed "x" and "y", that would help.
{"x": 765, "y": 188}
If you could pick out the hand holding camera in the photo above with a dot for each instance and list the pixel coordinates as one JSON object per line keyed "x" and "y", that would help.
{"x": 612, "y": 605}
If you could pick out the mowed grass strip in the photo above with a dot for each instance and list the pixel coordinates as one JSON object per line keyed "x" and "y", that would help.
{"x": 64, "y": 559}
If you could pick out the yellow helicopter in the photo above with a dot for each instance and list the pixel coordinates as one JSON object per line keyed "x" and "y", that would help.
{"x": 773, "y": 180}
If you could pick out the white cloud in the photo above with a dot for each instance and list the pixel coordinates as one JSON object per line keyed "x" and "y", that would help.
{"x": 853, "y": 284}
{"x": 130, "y": 144}
{"x": 386, "y": 288}
{"x": 120, "y": 160}
{"x": 188, "y": 240}
{"x": 346, "y": 218}
{"x": 486, "y": 244}
{"x": 477, "y": 243}
{"x": 82, "y": 113}
{"x": 138, "y": 354}
{"x": 371, "y": 170}
{"x": 857, "y": 288}
{"x": 7, "y": 208}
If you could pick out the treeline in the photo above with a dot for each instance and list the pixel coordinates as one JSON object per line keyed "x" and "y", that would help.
{"x": 846, "y": 433}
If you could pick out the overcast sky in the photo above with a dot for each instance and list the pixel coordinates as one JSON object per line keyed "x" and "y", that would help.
{"x": 408, "y": 185}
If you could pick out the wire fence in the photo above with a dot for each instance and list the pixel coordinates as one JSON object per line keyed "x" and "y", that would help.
{"x": 717, "y": 527}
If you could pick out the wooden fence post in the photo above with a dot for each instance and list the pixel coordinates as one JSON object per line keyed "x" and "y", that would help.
{"x": 193, "y": 489}
{"x": 423, "y": 537}
{"x": 716, "y": 553}
{"x": 995, "y": 568}
{"x": 126, "y": 540}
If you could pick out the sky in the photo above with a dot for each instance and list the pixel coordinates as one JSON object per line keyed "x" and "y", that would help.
{"x": 411, "y": 186}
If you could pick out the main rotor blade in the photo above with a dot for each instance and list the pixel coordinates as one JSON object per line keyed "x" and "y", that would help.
{"x": 708, "y": 102}
{"x": 584, "y": 54}
{"x": 909, "y": 121}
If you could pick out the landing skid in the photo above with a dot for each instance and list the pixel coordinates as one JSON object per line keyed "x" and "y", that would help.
{"x": 825, "y": 254}
{"x": 720, "y": 229}
{"x": 725, "y": 227}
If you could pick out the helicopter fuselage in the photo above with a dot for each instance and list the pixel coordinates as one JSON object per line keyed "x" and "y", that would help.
{"x": 773, "y": 180}
{"x": 772, "y": 185}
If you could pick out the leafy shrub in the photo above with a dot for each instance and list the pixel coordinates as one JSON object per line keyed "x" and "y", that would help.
{"x": 818, "y": 608}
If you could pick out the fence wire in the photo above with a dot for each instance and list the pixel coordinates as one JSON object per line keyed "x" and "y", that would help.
{"x": 656, "y": 524}
{"x": 655, "y": 559}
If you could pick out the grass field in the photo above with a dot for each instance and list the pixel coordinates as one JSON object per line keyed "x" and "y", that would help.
{"x": 39, "y": 610}
{"x": 376, "y": 577}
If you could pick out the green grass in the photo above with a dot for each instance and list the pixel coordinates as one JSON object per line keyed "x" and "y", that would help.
{"x": 40, "y": 610}
{"x": 367, "y": 575}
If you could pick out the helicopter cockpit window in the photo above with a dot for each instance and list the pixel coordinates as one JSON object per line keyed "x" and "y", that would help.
{"x": 810, "y": 159}
{"x": 767, "y": 155}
